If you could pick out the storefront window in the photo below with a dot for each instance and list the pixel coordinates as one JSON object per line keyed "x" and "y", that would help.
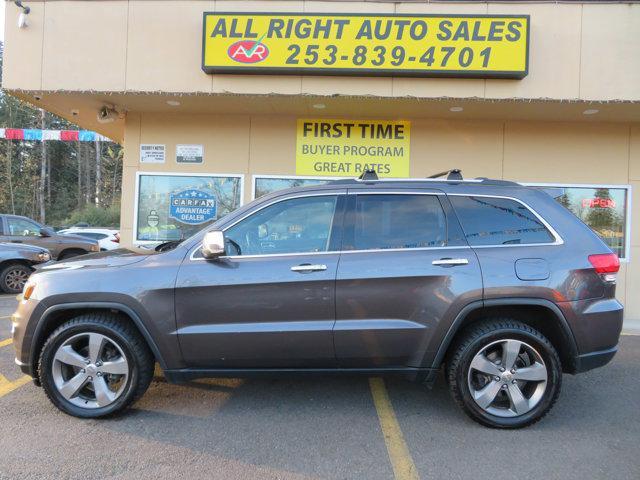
{"x": 173, "y": 207}
{"x": 604, "y": 209}
{"x": 265, "y": 185}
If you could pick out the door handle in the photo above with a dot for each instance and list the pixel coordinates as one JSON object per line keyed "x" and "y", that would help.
{"x": 450, "y": 262}
{"x": 307, "y": 267}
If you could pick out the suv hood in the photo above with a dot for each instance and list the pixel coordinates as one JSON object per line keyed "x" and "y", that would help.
{"x": 74, "y": 237}
{"x": 21, "y": 246}
{"x": 112, "y": 258}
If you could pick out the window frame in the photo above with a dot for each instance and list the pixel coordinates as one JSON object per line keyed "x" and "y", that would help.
{"x": 338, "y": 210}
{"x": 256, "y": 177}
{"x": 338, "y": 227}
{"x": 23, "y": 219}
{"x": 446, "y": 210}
{"x": 557, "y": 238}
{"x": 136, "y": 199}
{"x": 627, "y": 208}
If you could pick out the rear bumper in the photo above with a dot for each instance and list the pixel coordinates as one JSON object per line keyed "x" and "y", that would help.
{"x": 596, "y": 325}
{"x": 589, "y": 361}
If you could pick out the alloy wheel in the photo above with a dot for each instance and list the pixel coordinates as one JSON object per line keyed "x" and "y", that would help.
{"x": 507, "y": 378}
{"x": 90, "y": 370}
{"x": 15, "y": 279}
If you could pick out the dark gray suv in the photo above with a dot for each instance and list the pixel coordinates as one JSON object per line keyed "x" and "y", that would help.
{"x": 495, "y": 281}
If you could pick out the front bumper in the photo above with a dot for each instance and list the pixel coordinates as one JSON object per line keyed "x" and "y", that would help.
{"x": 22, "y": 337}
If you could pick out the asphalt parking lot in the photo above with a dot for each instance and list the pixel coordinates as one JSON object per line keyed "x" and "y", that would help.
{"x": 338, "y": 428}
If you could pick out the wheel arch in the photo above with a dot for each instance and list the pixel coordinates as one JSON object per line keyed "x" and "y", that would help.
{"x": 66, "y": 251}
{"x": 56, "y": 315}
{"x": 543, "y": 315}
{"x": 5, "y": 263}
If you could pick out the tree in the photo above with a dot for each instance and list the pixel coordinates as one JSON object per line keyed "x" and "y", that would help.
{"x": 601, "y": 215}
{"x": 67, "y": 175}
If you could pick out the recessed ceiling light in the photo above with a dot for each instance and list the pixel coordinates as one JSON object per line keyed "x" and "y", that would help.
{"x": 173, "y": 103}
{"x": 456, "y": 109}
{"x": 319, "y": 106}
{"x": 590, "y": 111}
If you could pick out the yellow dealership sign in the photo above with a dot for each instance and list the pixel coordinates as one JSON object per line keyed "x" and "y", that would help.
{"x": 346, "y": 148}
{"x": 351, "y": 44}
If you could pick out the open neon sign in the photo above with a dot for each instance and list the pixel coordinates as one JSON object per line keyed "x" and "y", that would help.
{"x": 598, "y": 203}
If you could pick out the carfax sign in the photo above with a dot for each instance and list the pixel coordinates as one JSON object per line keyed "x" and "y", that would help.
{"x": 351, "y": 44}
{"x": 192, "y": 207}
{"x": 346, "y": 148}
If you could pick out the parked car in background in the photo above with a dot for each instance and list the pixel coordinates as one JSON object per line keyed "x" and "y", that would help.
{"x": 495, "y": 281}
{"x": 16, "y": 265}
{"x": 108, "y": 239}
{"x": 17, "y": 229}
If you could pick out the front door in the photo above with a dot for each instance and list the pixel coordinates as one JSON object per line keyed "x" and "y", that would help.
{"x": 270, "y": 302}
{"x": 405, "y": 267}
{"x": 23, "y": 230}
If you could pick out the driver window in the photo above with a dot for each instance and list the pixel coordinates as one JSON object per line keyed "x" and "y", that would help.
{"x": 299, "y": 225}
{"x": 19, "y": 227}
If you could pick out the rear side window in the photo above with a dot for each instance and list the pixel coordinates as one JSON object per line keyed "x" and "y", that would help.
{"x": 397, "y": 221}
{"x": 498, "y": 221}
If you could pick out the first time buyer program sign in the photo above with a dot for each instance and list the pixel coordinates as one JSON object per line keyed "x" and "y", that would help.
{"x": 353, "y": 44}
{"x": 346, "y": 148}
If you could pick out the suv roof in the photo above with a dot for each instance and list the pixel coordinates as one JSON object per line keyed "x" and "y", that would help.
{"x": 454, "y": 177}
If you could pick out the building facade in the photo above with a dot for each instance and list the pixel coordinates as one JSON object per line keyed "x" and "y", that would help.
{"x": 227, "y": 100}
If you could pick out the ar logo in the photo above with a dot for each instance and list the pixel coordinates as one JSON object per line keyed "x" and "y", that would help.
{"x": 248, "y": 51}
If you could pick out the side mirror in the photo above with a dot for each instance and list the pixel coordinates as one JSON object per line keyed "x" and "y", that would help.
{"x": 213, "y": 244}
{"x": 44, "y": 232}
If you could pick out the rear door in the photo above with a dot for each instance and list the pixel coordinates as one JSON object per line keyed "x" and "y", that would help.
{"x": 405, "y": 267}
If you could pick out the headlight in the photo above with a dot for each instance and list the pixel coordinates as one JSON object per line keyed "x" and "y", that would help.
{"x": 95, "y": 248}
{"x": 43, "y": 257}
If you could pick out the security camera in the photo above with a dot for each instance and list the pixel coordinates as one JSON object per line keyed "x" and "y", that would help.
{"x": 107, "y": 114}
{"x": 22, "y": 20}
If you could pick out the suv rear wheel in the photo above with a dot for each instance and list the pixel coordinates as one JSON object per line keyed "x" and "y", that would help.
{"x": 95, "y": 365}
{"x": 504, "y": 374}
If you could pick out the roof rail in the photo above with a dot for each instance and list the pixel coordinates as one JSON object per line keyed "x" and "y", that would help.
{"x": 454, "y": 174}
{"x": 368, "y": 175}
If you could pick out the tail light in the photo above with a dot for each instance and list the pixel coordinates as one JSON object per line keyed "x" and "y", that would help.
{"x": 116, "y": 237}
{"x": 606, "y": 265}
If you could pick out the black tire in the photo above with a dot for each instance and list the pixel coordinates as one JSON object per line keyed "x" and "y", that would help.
{"x": 485, "y": 334}
{"x": 11, "y": 277}
{"x": 140, "y": 361}
{"x": 70, "y": 254}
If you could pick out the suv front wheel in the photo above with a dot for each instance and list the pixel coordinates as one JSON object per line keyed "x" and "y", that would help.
{"x": 504, "y": 374}
{"x": 95, "y": 365}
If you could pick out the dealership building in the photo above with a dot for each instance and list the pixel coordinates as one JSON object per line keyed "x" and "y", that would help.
{"x": 218, "y": 102}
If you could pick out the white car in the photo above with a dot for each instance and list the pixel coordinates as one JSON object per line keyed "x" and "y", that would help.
{"x": 107, "y": 238}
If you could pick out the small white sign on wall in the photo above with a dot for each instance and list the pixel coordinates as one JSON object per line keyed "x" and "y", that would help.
{"x": 189, "y": 153}
{"x": 150, "y": 153}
